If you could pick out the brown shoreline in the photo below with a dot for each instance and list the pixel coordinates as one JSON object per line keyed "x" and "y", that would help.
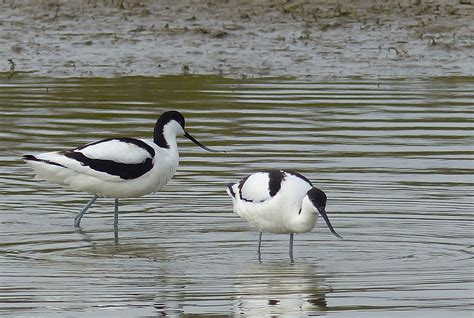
{"x": 238, "y": 38}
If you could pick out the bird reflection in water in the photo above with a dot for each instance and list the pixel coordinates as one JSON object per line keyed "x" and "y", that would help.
{"x": 280, "y": 289}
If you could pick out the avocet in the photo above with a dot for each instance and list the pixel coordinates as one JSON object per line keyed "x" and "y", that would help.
{"x": 279, "y": 201}
{"x": 117, "y": 167}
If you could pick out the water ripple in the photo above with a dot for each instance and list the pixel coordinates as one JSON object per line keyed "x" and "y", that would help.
{"x": 394, "y": 157}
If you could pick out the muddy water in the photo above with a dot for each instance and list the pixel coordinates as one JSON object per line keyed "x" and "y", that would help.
{"x": 394, "y": 157}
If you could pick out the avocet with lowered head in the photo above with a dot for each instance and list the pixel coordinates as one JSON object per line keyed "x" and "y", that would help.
{"x": 279, "y": 201}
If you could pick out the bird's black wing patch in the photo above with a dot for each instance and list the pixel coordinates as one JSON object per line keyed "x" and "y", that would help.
{"x": 265, "y": 185}
{"x": 125, "y": 171}
{"x": 229, "y": 186}
{"x": 275, "y": 178}
{"x": 241, "y": 184}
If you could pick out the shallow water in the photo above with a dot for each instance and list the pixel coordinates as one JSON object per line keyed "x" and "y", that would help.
{"x": 394, "y": 157}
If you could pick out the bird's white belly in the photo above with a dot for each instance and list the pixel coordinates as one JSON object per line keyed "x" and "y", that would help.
{"x": 152, "y": 181}
{"x": 275, "y": 216}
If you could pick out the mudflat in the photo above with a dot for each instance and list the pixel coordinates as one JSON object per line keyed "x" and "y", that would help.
{"x": 237, "y": 38}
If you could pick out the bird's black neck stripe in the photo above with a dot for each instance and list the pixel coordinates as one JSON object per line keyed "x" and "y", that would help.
{"x": 159, "y": 138}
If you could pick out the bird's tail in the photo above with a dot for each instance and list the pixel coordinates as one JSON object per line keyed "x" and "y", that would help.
{"x": 49, "y": 162}
{"x": 30, "y": 157}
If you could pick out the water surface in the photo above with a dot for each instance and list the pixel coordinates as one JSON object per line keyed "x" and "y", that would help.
{"x": 394, "y": 157}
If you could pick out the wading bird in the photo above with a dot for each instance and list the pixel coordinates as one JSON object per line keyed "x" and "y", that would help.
{"x": 117, "y": 167}
{"x": 279, "y": 201}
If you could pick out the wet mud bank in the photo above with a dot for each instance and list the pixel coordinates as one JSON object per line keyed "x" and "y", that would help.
{"x": 240, "y": 39}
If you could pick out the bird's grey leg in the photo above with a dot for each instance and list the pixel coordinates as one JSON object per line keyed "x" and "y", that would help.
{"x": 291, "y": 247}
{"x": 116, "y": 221}
{"x": 259, "y": 242}
{"x": 116, "y": 238}
{"x": 116, "y": 212}
{"x": 77, "y": 219}
{"x": 259, "y": 245}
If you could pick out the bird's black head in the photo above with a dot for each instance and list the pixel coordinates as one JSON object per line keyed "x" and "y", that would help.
{"x": 318, "y": 198}
{"x": 168, "y": 116}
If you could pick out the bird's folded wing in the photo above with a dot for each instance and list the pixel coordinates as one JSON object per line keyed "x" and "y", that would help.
{"x": 255, "y": 188}
{"x": 116, "y": 159}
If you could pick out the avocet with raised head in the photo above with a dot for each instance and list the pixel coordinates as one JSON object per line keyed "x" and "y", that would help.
{"x": 117, "y": 167}
{"x": 279, "y": 201}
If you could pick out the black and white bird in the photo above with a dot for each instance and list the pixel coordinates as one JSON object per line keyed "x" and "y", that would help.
{"x": 279, "y": 201}
{"x": 117, "y": 167}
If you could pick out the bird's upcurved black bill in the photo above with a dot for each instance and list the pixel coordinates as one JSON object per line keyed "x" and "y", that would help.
{"x": 322, "y": 211}
{"x": 187, "y": 135}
